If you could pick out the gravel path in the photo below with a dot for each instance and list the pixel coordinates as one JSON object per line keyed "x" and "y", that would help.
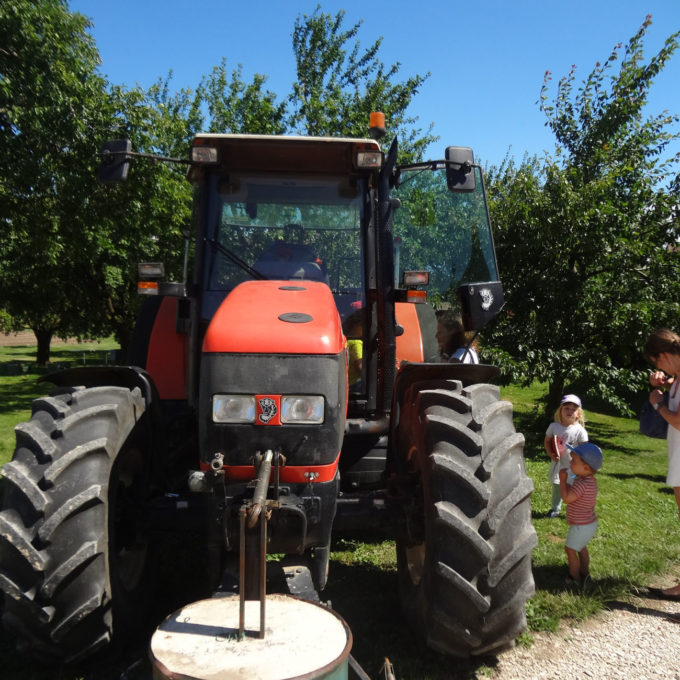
{"x": 639, "y": 639}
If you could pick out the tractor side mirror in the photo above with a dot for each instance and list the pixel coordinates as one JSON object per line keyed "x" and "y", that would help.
{"x": 460, "y": 175}
{"x": 115, "y": 162}
{"x": 480, "y": 302}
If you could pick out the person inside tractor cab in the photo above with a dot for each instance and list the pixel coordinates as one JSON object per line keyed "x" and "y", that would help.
{"x": 353, "y": 328}
{"x": 284, "y": 260}
{"x": 453, "y": 343}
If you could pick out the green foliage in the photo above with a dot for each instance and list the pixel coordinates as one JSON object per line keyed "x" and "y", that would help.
{"x": 586, "y": 241}
{"x": 238, "y": 107}
{"x": 338, "y": 86}
{"x": 49, "y": 102}
{"x": 143, "y": 219}
{"x": 430, "y": 216}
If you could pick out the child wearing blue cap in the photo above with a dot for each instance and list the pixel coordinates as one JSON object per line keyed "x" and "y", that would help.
{"x": 580, "y": 497}
{"x": 568, "y": 427}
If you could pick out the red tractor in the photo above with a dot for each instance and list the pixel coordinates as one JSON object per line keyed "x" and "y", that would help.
{"x": 292, "y": 382}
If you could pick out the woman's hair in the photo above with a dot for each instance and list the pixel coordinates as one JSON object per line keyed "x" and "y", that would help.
{"x": 660, "y": 341}
{"x": 580, "y": 416}
{"x": 453, "y": 332}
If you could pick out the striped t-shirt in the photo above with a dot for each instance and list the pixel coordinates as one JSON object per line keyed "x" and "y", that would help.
{"x": 582, "y": 510}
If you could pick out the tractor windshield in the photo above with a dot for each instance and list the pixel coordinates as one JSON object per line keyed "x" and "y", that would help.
{"x": 289, "y": 227}
{"x": 445, "y": 233}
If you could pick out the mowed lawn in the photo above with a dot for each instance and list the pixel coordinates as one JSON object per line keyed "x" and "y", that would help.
{"x": 637, "y": 544}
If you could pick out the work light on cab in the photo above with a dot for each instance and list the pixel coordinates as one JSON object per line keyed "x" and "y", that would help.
{"x": 149, "y": 273}
{"x": 416, "y": 278}
{"x": 369, "y": 159}
{"x": 204, "y": 154}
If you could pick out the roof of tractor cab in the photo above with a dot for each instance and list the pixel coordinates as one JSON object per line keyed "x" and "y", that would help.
{"x": 283, "y": 153}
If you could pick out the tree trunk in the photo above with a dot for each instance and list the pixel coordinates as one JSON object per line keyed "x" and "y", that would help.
{"x": 44, "y": 338}
{"x": 122, "y": 335}
{"x": 555, "y": 391}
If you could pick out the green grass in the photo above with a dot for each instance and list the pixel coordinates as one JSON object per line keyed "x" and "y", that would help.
{"x": 635, "y": 545}
{"x": 17, "y": 391}
{"x": 636, "y": 511}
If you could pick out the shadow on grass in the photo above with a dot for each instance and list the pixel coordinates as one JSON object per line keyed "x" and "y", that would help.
{"x": 621, "y": 476}
{"x": 19, "y": 666}
{"x": 18, "y": 395}
{"x": 551, "y": 579}
{"x": 533, "y": 426}
{"x": 368, "y": 599}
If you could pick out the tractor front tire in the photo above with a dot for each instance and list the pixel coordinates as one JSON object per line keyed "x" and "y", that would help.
{"x": 464, "y": 559}
{"x": 74, "y": 565}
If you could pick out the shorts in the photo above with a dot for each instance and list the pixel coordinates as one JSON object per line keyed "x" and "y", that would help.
{"x": 579, "y": 535}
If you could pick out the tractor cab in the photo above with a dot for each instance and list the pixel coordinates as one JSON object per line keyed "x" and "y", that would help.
{"x": 391, "y": 243}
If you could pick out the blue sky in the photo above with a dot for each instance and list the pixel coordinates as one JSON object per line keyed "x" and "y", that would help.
{"x": 486, "y": 59}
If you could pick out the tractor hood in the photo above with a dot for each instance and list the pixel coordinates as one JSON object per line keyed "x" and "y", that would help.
{"x": 276, "y": 317}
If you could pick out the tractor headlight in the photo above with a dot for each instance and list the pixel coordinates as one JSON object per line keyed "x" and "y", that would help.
{"x": 233, "y": 408}
{"x": 302, "y": 409}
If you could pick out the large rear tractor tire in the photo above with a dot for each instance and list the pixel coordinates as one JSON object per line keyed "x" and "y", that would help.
{"x": 464, "y": 559}
{"x": 74, "y": 564}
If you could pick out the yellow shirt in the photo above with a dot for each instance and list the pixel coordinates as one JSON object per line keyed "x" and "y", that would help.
{"x": 355, "y": 351}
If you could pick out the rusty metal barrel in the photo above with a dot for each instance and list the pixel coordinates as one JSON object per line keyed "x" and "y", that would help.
{"x": 201, "y": 641}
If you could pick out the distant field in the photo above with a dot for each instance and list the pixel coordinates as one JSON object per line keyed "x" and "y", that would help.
{"x": 27, "y": 338}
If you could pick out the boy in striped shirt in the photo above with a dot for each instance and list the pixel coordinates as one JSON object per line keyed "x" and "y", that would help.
{"x": 580, "y": 497}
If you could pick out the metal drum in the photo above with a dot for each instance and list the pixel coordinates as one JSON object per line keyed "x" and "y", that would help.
{"x": 302, "y": 639}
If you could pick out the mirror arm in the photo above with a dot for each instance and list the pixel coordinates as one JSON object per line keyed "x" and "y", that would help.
{"x": 106, "y": 154}
{"x": 466, "y": 166}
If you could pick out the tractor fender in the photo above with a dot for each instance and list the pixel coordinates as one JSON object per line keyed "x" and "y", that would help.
{"x": 130, "y": 377}
{"x": 158, "y": 343}
{"x": 410, "y": 373}
{"x": 98, "y": 376}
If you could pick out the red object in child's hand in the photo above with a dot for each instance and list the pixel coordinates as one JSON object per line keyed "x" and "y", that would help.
{"x": 556, "y": 446}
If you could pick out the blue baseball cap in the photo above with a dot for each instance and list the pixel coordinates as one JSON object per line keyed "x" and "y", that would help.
{"x": 589, "y": 453}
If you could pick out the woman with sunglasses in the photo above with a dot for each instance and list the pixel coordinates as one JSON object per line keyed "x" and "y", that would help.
{"x": 662, "y": 350}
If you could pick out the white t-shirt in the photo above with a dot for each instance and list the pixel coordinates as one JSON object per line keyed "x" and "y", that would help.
{"x": 466, "y": 356}
{"x": 673, "y": 437}
{"x": 571, "y": 434}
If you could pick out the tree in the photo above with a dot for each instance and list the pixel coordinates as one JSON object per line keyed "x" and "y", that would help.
{"x": 48, "y": 91}
{"x": 336, "y": 89}
{"x": 238, "y": 107}
{"x": 145, "y": 218}
{"x": 69, "y": 246}
{"x": 587, "y": 240}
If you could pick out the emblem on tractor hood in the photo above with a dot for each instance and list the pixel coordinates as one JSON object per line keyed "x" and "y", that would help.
{"x": 267, "y": 409}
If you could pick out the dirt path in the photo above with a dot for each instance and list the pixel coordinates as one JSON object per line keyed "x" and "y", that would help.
{"x": 27, "y": 338}
{"x": 23, "y": 338}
